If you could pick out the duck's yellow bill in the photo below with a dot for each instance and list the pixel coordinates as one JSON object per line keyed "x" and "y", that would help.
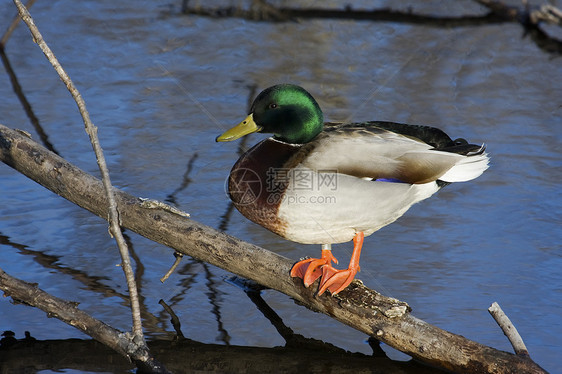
{"x": 245, "y": 127}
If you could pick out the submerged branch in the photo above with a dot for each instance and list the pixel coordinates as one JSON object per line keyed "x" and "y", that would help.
{"x": 203, "y": 358}
{"x": 123, "y": 343}
{"x": 266, "y": 12}
{"x": 498, "y": 12}
{"x": 386, "y": 319}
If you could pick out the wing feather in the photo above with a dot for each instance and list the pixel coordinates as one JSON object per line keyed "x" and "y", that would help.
{"x": 376, "y": 153}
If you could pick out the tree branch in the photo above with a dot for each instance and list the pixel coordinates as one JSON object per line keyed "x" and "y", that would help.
{"x": 68, "y": 312}
{"x": 386, "y": 319}
{"x": 92, "y": 130}
{"x": 508, "y": 329}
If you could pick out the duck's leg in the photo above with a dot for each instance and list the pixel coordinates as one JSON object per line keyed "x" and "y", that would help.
{"x": 311, "y": 269}
{"x": 336, "y": 280}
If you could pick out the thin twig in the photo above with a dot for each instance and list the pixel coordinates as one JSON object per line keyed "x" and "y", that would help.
{"x": 91, "y": 130}
{"x": 177, "y": 261}
{"x": 509, "y": 330}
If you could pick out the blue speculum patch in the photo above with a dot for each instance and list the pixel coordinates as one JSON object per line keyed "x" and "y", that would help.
{"x": 391, "y": 180}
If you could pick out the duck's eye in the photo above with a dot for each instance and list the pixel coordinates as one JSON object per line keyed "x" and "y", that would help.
{"x": 272, "y": 106}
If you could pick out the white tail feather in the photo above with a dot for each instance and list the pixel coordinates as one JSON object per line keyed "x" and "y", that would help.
{"x": 468, "y": 168}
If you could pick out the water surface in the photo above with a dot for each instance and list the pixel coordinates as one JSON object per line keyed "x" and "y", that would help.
{"x": 161, "y": 86}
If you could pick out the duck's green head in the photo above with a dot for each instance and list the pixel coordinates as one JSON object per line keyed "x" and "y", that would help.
{"x": 287, "y": 111}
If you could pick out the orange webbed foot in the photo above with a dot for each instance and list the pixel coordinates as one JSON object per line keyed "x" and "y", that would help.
{"x": 336, "y": 280}
{"x": 333, "y": 280}
{"x": 310, "y": 269}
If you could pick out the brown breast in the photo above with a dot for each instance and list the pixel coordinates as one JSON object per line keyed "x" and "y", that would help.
{"x": 256, "y": 184}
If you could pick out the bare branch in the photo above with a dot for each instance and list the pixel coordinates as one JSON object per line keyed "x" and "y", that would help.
{"x": 68, "y": 312}
{"x": 508, "y": 329}
{"x": 91, "y": 130}
{"x": 177, "y": 261}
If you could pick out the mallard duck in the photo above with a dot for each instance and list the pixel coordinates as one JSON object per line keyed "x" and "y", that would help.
{"x": 324, "y": 183}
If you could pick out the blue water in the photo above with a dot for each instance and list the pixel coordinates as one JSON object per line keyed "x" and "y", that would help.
{"x": 161, "y": 86}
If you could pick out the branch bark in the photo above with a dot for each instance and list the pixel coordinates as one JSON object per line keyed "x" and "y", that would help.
{"x": 508, "y": 329}
{"x": 386, "y": 319}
